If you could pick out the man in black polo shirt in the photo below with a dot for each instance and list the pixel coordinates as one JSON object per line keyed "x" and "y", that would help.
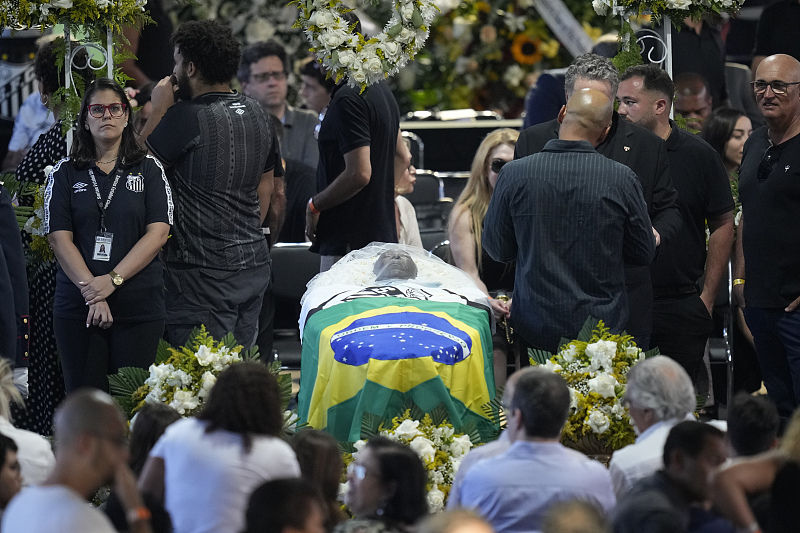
{"x": 220, "y": 151}
{"x": 768, "y": 255}
{"x": 681, "y": 311}
{"x": 643, "y": 153}
{"x": 355, "y": 175}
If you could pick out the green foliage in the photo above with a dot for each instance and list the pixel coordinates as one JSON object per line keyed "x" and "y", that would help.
{"x": 183, "y": 376}
{"x": 629, "y": 53}
{"x": 595, "y": 366}
{"x": 124, "y": 384}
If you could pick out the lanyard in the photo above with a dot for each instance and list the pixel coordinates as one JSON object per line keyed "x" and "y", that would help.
{"x": 99, "y": 198}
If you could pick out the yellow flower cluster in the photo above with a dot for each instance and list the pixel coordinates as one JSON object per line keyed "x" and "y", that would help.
{"x": 596, "y": 372}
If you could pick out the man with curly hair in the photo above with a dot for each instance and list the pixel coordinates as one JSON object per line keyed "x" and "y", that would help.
{"x": 221, "y": 155}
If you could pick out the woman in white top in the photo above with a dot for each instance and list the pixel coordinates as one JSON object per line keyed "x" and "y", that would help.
{"x": 205, "y": 468}
{"x": 405, "y": 175}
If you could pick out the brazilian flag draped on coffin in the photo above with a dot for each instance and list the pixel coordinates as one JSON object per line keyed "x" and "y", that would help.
{"x": 371, "y": 350}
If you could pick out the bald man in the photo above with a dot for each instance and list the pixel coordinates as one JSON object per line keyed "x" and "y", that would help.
{"x": 767, "y": 266}
{"x": 91, "y": 451}
{"x": 571, "y": 219}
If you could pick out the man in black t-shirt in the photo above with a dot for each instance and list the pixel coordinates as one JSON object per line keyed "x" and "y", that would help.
{"x": 681, "y": 311}
{"x": 355, "y": 175}
{"x": 221, "y": 152}
{"x": 768, "y": 255}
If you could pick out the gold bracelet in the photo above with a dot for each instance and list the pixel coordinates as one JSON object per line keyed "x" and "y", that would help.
{"x": 738, "y": 281}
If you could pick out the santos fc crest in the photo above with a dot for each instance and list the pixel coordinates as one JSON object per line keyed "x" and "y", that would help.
{"x": 135, "y": 183}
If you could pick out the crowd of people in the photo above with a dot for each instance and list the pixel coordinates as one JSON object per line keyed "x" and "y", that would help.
{"x": 231, "y": 468}
{"x": 162, "y": 220}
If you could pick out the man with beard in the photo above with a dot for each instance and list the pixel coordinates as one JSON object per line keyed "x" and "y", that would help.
{"x": 220, "y": 151}
{"x": 685, "y": 277}
{"x": 91, "y": 436}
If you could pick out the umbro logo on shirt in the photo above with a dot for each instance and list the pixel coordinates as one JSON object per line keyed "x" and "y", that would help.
{"x": 79, "y": 187}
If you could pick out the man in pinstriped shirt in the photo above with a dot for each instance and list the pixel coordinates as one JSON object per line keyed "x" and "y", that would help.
{"x": 571, "y": 219}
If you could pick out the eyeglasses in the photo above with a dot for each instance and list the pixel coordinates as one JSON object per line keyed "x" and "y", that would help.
{"x": 359, "y": 472}
{"x": 497, "y": 164}
{"x": 99, "y": 110}
{"x": 261, "y": 77}
{"x": 778, "y": 87}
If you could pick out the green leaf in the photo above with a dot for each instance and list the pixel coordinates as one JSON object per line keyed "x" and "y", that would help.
{"x": 228, "y": 340}
{"x": 652, "y": 352}
{"x": 162, "y": 352}
{"x": 416, "y": 18}
{"x": 124, "y": 384}
{"x": 251, "y": 354}
{"x": 395, "y": 30}
{"x": 438, "y": 415}
{"x": 585, "y": 334}
{"x": 538, "y": 357}
{"x": 127, "y": 380}
{"x": 370, "y": 425}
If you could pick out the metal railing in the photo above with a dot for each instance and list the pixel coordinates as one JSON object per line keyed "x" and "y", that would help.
{"x": 14, "y": 92}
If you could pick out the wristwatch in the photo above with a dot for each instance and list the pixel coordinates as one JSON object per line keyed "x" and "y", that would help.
{"x": 116, "y": 279}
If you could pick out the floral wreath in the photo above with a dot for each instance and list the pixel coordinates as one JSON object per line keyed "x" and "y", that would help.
{"x": 347, "y": 53}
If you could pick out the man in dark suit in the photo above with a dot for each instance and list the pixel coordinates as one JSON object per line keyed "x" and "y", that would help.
{"x": 645, "y": 154}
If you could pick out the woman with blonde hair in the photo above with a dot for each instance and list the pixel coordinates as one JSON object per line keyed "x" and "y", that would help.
{"x": 35, "y": 454}
{"x": 775, "y": 472}
{"x": 465, "y": 231}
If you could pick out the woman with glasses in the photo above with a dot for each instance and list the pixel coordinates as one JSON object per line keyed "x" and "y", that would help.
{"x": 385, "y": 489}
{"x": 45, "y": 381}
{"x": 108, "y": 210}
{"x": 465, "y": 229}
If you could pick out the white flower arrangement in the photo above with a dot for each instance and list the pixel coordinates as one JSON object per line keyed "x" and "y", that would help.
{"x": 105, "y": 13}
{"x": 595, "y": 367}
{"x": 439, "y": 447}
{"x": 677, "y": 10}
{"x": 347, "y": 53}
{"x": 183, "y": 377}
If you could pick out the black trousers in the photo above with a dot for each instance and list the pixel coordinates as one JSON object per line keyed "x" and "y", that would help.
{"x": 681, "y": 327}
{"x": 266, "y": 325}
{"x": 88, "y": 355}
{"x": 222, "y": 300}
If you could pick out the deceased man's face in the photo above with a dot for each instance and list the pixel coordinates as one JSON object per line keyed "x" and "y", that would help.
{"x": 395, "y": 264}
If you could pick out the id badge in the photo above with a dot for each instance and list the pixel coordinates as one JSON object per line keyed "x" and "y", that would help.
{"x": 102, "y": 246}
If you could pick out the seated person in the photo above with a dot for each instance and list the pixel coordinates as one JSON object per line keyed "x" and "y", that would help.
{"x": 389, "y": 323}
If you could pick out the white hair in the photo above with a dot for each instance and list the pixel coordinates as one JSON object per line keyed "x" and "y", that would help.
{"x": 661, "y": 384}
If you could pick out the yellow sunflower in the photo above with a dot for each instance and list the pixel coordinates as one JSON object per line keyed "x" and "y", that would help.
{"x": 525, "y": 50}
